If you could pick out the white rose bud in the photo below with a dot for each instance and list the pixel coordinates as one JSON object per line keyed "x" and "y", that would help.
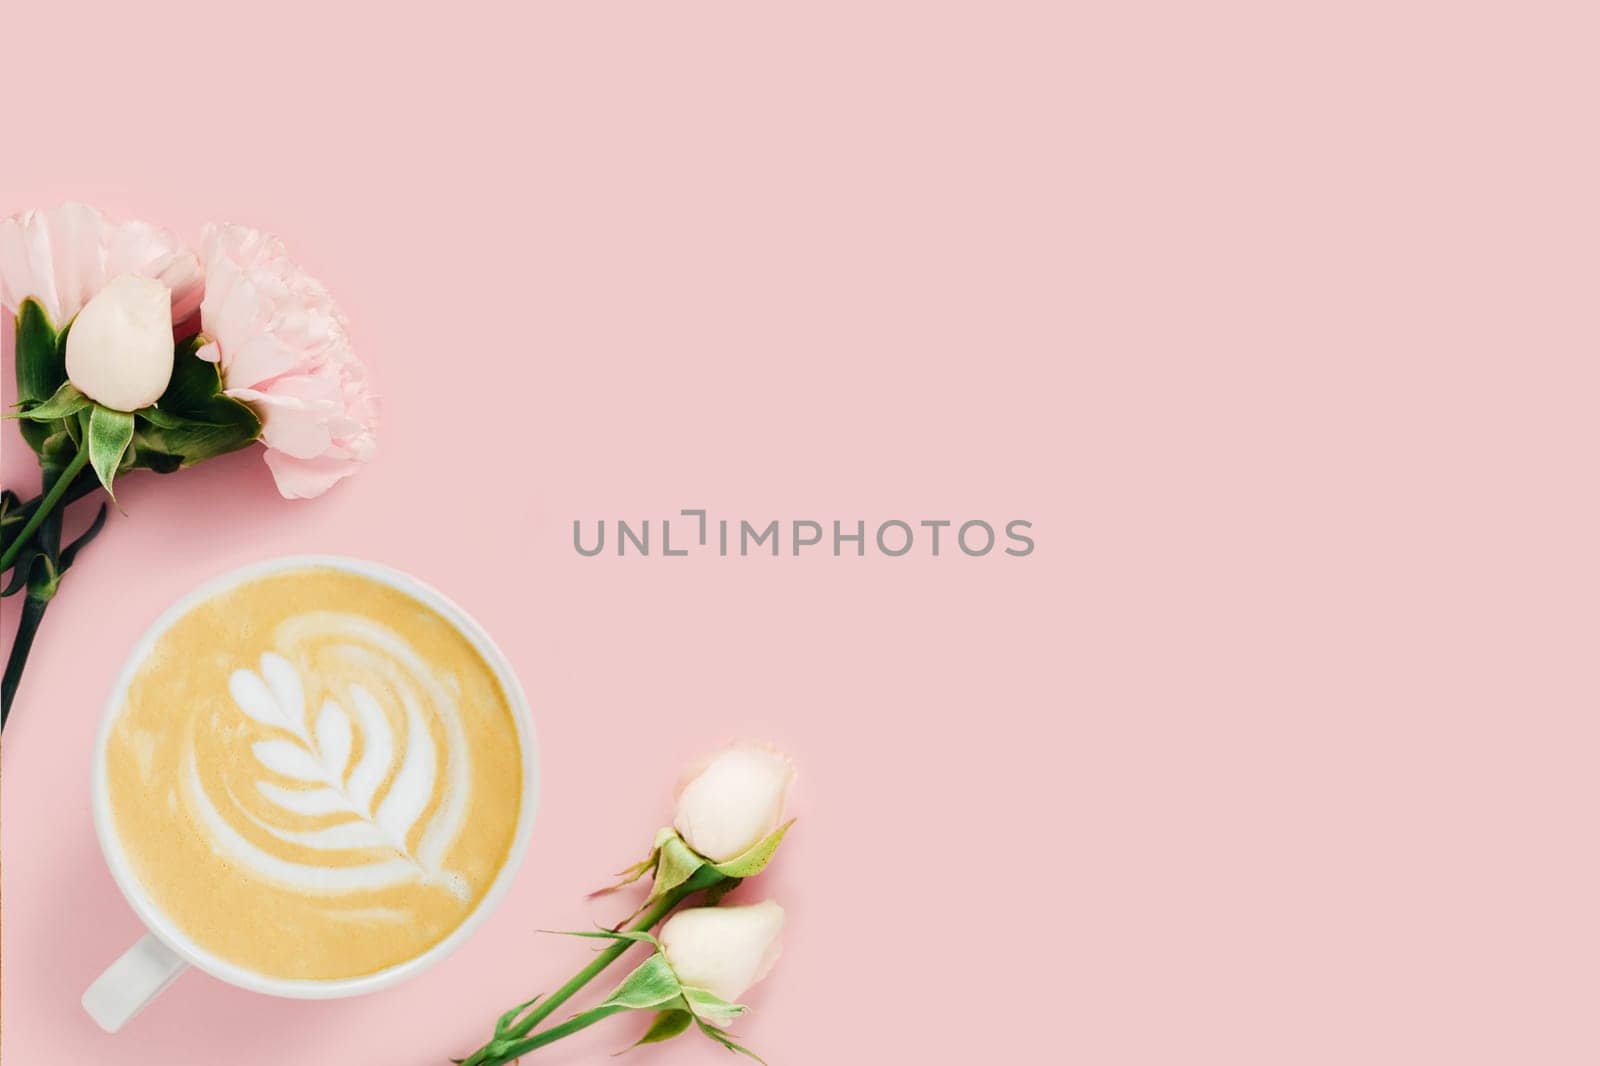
{"x": 733, "y": 800}
{"x": 723, "y": 950}
{"x": 119, "y": 352}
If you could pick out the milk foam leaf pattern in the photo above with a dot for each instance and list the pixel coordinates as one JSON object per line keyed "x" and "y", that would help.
{"x": 307, "y": 802}
{"x": 283, "y": 682}
{"x": 311, "y": 776}
{"x": 413, "y": 785}
{"x": 369, "y": 772}
{"x": 281, "y": 707}
{"x": 334, "y": 738}
{"x": 289, "y": 759}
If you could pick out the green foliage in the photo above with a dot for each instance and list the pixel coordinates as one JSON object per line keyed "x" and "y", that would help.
{"x": 673, "y": 863}
{"x": 41, "y": 364}
{"x": 722, "y": 1038}
{"x": 63, "y": 403}
{"x": 652, "y": 984}
{"x": 755, "y": 860}
{"x": 668, "y": 1024}
{"x": 508, "y": 1028}
{"x": 82, "y": 444}
{"x": 193, "y": 421}
{"x": 108, "y": 434}
{"x": 676, "y": 862}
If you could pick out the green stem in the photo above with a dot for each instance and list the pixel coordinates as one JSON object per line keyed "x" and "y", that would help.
{"x": 51, "y": 498}
{"x": 515, "y": 1051}
{"x": 494, "y": 1052}
{"x": 80, "y": 487}
{"x": 33, "y": 608}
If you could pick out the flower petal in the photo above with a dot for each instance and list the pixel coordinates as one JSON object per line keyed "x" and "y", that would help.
{"x": 282, "y": 347}
{"x": 64, "y": 256}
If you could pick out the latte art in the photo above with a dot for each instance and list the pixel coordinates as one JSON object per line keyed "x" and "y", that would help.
{"x": 343, "y": 779}
{"x": 325, "y": 800}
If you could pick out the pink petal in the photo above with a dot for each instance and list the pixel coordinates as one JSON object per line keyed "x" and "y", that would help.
{"x": 300, "y": 479}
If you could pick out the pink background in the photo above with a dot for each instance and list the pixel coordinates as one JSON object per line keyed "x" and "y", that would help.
{"x": 1281, "y": 328}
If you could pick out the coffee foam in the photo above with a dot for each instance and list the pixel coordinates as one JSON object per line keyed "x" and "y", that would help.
{"x": 304, "y": 767}
{"x": 318, "y": 773}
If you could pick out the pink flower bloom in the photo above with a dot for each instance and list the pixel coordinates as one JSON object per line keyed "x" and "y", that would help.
{"x": 63, "y": 256}
{"x": 282, "y": 347}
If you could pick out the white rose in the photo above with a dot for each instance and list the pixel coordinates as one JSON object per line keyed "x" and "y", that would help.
{"x": 119, "y": 352}
{"x": 731, "y": 801}
{"x": 723, "y": 950}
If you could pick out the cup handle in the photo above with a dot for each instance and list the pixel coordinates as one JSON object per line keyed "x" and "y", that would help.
{"x": 131, "y": 982}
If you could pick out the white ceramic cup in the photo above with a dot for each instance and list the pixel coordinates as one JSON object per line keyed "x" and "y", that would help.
{"x": 136, "y": 978}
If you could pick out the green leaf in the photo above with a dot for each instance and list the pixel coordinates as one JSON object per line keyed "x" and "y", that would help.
{"x": 710, "y": 1007}
{"x": 60, "y": 446}
{"x": 66, "y": 400}
{"x": 627, "y": 877}
{"x": 109, "y": 434}
{"x": 716, "y": 893}
{"x": 11, "y": 513}
{"x": 193, "y": 421}
{"x": 638, "y": 936}
{"x": 161, "y": 419}
{"x": 668, "y": 1024}
{"x": 41, "y": 360}
{"x": 194, "y": 380}
{"x": 228, "y": 426}
{"x": 46, "y": 576}
{"x": 722, "y": 1038}
{"x": 755, "y": 860}
{"x": 148, "y": 458}
{"x": 507, "y": 1028}
{"x": 70, "y": 552}
{"x": 652, "y": 984}
{"x": 21, "y": 572}
{"x": 41, "y": 364}
{"x": 676, "y": 862}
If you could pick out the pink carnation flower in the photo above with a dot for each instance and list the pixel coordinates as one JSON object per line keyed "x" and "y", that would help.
{"x": 282, "y": 347}
{"x": 62, "y": 257}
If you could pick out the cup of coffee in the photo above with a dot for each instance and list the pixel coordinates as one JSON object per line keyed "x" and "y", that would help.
{"x": 315, "y": 777}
